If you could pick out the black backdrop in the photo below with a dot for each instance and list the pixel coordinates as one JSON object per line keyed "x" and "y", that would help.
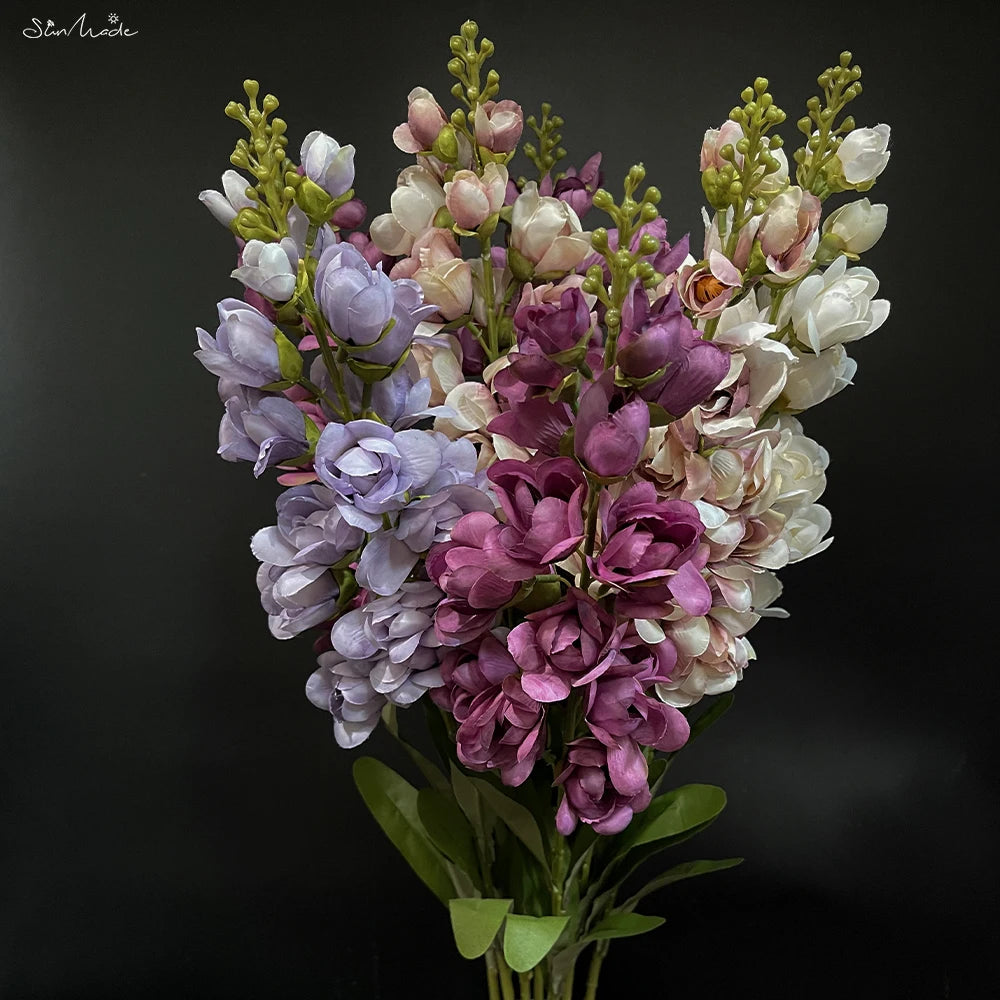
{"x": 176, "y": 819}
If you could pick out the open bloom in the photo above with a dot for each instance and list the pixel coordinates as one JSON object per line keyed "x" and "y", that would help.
{"x": 707, "y": 288}
{"x": 834, "y": 307}
{"x": 371, "y": 467}
{"x": 590, "y": 794}
{"x": 564, "y": 646}
{"x": 788, "y": 232}
{"x": 443, "y": 275}
{"x": 262, "y": 429}
{"x": 817, "y": 377}
{"x": 243, "y": 348}
{"x": 651, "y": 552}
{"x": 395, "y": 635}
{"x": 499, "y": 725}
{"x": 414, "y": 203}
{"x": 327, "y": 163}
{"x": 550, "y": 328}
{"x": 547, "y": 232}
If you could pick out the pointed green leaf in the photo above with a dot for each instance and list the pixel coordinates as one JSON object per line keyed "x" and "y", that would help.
{"x": 393, "y": 802}
{"x": 448, "y": 829}
{"x": 522, "y": 824}
{"x": 432, "y": 773}
{"x": 674, "y": 812}
{"x": 527, "y": 940}
{"x": 467, "y": 798}
{"x": 689, "y": 869}
{"x": 475, "y": 923}
{"x": 620, "y": 925}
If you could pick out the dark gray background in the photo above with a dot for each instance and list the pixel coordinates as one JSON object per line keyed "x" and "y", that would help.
{"x": 176, "y": 819}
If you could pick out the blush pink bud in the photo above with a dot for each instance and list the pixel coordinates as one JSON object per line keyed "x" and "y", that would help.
{"x": 424, "y": 120}
{"x": 499, "y": 125}
{"x": 471, "y": 199}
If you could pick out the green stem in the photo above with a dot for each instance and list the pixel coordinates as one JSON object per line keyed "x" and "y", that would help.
{"x": 539, "y": 983}
{"x": 506, "y": 979}
{"x": 366, "y": 399}
{"x": 524, "y": 978}
{"x": 600, "y": 950}
{"x": 591, "y": 535}
{"x": 492, "y": 980}
{"x": 568, "y": 984}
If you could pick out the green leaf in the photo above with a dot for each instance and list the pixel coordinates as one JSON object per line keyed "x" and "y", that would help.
{"x": 620, "y": 925}
{"x": 674, "y": 812}
{"x": 689, "y": 869}
{"x": 475, "y": 923}
{"x": 711, "y": 715}
{"x": 522, "y": 824}
{"x": 527, "y": 940}
{"x": 448, "y": 829}
{"x": 467, "y": 798}
{"x": 393, "y": 802}
{"x": 432, "y": 773}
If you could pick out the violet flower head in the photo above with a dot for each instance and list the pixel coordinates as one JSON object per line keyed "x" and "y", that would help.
{"x": 243, "y": 348}
{"x": 577, "y": 187}
{"x": 477, "y": 575}
{"x": 551, "y": 329}
{"x": 543, "y": 500}
{"x": 395, "y": 636}
{"x": 565, "y": 646}
{"x": 499, "y": 725}
{"x": 610, "y": 443}
{"x": 370, "y": 467}
{"x": 399, "y": 401}
{"x": 651, "y": 553}
{"x": 591, "y": 795}
{"x": 694, "y": 367}
{"x": 266, "y": 430}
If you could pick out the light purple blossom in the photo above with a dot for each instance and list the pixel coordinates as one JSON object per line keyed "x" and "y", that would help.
{"x": 341, "y": 687}
{"x": 243, "y": 348}
{"x": 394, "y": 638}
{"x": 226, "y": 204}
{"x": 359, "y": 303}
{"x": 327, "y": 163}
{"x": 263, "y": 429}
{"x": 269, "y": 268}
{"x": 390, "y": 555}
{"x": 372, "y": 468}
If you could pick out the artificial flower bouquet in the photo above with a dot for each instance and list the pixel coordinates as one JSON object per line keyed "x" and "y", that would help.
{"x": 536, "y": 476}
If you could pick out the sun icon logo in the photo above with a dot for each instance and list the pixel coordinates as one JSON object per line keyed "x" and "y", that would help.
{"x": 113, "y": 18}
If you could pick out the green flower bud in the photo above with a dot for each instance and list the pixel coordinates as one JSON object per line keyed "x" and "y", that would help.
{"x": 470, "y": 30}
{"x": 599, "y": 237}
{"x": 603, "y": 200}
{"x": 648, "y": 244}
{"x": 519, "y": 265}
{"x": 446, "y": 145}
{"x": 317, "y": 205}
{"x": 456, "y": 67}
{"x": 289, "y": 359}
